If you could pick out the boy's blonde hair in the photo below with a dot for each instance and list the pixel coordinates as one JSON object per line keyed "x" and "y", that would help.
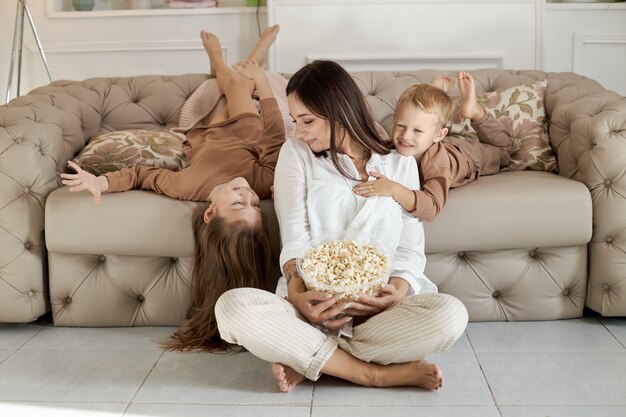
{"x": 429, "y": 99}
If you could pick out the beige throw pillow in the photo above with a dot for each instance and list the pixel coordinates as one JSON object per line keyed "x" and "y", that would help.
{"x": 521, "y": 110}
{"x": 116, "y": 150}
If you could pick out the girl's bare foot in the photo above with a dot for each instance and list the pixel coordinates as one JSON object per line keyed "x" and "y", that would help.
{"x": 259, "y": 52}
{"x": 421, "y": 374}
{"x": 469, "y": 106}
{"x": 213, "y": 48}
{"x": 443, "y": 82}
{"x": 219, "y": 69}
{"x": 286, "y": 377}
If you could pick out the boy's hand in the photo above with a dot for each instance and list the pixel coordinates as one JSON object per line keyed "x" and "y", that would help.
{"x": 84, "y": 180}
{"x": 382, "y": 186}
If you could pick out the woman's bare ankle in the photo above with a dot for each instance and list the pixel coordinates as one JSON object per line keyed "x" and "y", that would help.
{"x": 421, "y": 374}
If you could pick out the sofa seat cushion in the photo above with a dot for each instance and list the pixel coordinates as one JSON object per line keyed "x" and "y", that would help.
{"x": 132, "y": 223}
{"x": 522, "y": 209}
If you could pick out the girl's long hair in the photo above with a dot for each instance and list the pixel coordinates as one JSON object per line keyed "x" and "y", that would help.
{"x": 226, "y": 256}
{"x": 328, "y": 91}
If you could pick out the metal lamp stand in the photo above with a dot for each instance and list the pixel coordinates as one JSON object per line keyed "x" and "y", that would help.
{"x": 18, "y": 43}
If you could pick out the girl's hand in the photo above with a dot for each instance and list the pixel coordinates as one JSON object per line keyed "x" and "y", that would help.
{"x": 317, "y": 307}
{"x": 84, "y": 180}
{"x": 249, "y": 69}
{"x": 368, "y": 305}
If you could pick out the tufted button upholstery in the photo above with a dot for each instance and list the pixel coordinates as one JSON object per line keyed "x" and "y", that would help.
{"x": 39, "y": 133}
{"x": 583, "y": 113}
{"x": 515, "y": 276}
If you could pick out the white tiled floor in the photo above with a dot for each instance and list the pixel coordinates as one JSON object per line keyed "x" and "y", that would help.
{"x": 571, "y": 368}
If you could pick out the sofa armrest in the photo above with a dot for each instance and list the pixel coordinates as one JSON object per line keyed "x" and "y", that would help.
{"x": 38, "y": 134}
{"x": 588, "y": 132}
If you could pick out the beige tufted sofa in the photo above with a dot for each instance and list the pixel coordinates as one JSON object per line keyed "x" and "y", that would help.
{"x": 515, "y": 246}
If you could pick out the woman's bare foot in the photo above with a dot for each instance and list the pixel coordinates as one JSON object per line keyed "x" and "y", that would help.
{"x": 286, "y": 377}
{"x": 469, "y": 106}
{"x": 259, "y": 52}
{"x": 213, "y": 48}
{"x": 421, "y": 374}
{"x": 443, "y": 82}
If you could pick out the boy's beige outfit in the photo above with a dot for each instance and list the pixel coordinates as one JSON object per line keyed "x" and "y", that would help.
{"x": 457, "y": 161}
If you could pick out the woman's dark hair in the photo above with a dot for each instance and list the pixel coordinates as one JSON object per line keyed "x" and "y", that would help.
{"x": 226, "y": 256}
{"x": 328, "y": 91}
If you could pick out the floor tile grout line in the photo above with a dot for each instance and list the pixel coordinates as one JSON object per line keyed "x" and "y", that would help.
{"x": 493, "y": 398}
{"x": 143, "y": 382}
{"x": 7, "y": 358}
{"x": 62, "y": 402}
{"x": 611, "y": 333}
{"x": 312, "y": 399}
{"x": 31, "y": 337}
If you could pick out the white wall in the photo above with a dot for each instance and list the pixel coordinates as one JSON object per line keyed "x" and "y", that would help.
{"x": 588, "y": 39}
{"x": 408, "y": 34}
{"x": 404, "y": 34}
{"x": 109, "y": 42}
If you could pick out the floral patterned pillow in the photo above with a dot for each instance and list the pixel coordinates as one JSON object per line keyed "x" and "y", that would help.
{"x": 116, "y": 150}
{"x": 521, "y": 110}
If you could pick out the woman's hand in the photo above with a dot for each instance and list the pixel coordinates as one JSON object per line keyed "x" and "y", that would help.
{"x": 84, "y": 180}
{"x": 369, "y": 305}
{"x": 317, "y": 307}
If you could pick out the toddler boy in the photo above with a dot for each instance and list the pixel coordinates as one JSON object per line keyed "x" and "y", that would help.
{"x": 422, "y": 114}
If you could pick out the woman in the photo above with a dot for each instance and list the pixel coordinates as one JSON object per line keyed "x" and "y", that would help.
{"x": 336, "y": 146}
{"x": 230, "y": 165}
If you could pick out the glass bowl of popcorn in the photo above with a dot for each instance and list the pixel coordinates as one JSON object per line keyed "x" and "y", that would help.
{"x": 346, "y": 263}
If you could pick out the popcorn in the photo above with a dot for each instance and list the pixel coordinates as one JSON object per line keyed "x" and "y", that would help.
{"x": 345, "y": 267}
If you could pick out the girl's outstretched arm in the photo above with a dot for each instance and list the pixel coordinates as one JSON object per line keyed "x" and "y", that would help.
{"x": 84, "y": 180}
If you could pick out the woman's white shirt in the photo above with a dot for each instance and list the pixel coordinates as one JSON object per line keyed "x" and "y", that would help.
{"x": 312, "y": 198}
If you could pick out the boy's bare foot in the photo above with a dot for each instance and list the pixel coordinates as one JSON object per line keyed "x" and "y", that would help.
{"x": 421, "y": 374}
{"x": 470, "y": 109}
{"x": 259, "y": 52}
{"x": 286, "y": 377}
{"x": 213, "y": 48}
{"x": 443, "y": 82}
